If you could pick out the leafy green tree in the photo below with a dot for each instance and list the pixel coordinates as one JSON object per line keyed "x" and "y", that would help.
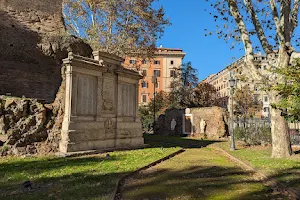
{"x": 182, "y": 87}
{"x": 121, "y": 27}
{"x": 146, "y": 112}
{"x": 268, "y": 26}
{"x": 290, "y": 91}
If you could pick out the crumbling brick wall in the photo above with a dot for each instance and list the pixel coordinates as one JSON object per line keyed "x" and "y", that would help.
{"x": 33, "y": 42}
{"x": 215, "y": 118}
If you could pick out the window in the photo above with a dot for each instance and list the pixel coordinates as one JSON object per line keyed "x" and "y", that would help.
{"x": 265, "y": 67}
{"x": 144, "y": 98}
{"x": 172, "y": 62}
{"x": 156, "y": 62}
{"x": 156, "y": 73}
{"x": 173, "y": 73}
{"x": 144, "y": 62}
{"x": 144, "y": 84}
{"x": 132, "y": 61}
{"x": 266, "y": 109}
{"x": 144, "y": 72}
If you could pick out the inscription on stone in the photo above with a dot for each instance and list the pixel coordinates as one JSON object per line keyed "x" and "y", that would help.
{"x": 108, "y": 94}
{"x": 128, "y": 100}
{"x": 109, "y": 127}
{"x": 86, "y": 95}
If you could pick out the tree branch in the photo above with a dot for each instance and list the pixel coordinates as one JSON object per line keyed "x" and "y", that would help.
{"x": 285, "y": 23}
{"x": 277, "y": 22}
{"x": 234, "y": 10}
{"x": 259, "y": 30}
{"x": 294, "y": 16}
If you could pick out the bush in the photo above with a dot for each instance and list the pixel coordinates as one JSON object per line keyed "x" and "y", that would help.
{"x": 254, "y": 135}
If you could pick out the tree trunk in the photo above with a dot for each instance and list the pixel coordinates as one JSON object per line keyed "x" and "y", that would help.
{"x": 281, "y": 143}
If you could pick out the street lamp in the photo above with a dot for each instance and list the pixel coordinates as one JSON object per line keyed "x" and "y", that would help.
{"x": 232, "y": 83}
{"x": 154, "y": 81}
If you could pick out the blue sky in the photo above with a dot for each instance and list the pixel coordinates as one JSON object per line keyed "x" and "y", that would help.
{"x": 207, "y": 54}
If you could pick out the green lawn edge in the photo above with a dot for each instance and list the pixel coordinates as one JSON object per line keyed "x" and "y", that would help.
{"x": 82, "y": 177}
{"x": 284, "y": 170}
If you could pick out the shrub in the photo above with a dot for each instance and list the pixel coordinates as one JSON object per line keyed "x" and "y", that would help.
{"x": 254, "y": 135}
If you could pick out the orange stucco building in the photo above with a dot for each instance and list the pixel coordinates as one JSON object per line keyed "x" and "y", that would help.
{"x": 163, "y": 65}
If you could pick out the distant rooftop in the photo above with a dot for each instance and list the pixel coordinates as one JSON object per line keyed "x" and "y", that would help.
{"x": 168, "y": 49}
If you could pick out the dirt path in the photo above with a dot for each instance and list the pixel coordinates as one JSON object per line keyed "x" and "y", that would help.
{"x": 196, "y": 174}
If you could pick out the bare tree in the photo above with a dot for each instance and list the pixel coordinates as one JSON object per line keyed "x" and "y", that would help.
{"x": 267, "y": 26}
{"x": 121, "y": 27}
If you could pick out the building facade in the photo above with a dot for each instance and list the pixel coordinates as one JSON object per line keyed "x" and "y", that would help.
{"x": 163, "y": 66}
{"x": 236, "y": 70}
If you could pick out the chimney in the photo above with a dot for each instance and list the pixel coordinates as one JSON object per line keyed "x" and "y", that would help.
{"x": 160, "y": 46}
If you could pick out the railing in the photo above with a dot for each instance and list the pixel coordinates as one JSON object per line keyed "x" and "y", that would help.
{"x": 294, "y": 130}
{"x": 256, "y": 124}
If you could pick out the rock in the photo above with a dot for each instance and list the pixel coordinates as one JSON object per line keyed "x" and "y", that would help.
{"x": 23, "y": 124}
{"x": 2, "y": 125}
{"x": 31, "y": 149}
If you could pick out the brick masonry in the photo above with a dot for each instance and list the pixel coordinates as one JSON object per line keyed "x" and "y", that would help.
{"x": 31, "y": 47}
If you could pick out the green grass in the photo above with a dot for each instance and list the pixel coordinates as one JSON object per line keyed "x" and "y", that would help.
{"x": 285, "y": 170}
{"x": 85, "y": 177}
{"x": 196, "y": 174}
{"x": 175, "y": 141}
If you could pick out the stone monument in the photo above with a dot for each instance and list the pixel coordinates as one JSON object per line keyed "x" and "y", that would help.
{"x": 101, "y": 105}
{"x": 202, "y": 126}
{"x": 173, "y": 124}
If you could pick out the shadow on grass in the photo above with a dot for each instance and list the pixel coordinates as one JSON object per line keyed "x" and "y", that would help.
{"x": 198, "y": 182}
{"x": 289, "y": 177}
{"x": 58, "y": 178}
{"x": 176, "y": 141}
{"x": 297, "y": 152}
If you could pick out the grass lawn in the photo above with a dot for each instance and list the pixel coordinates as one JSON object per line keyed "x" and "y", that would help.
{"x": 286, "y": 170}
{"x": 196, "y": 174}
{"x": 85, "y": 177}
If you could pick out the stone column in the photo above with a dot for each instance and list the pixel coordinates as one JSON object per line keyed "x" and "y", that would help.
{"x": 137, "y": 118}
{"x": 63, "y": 145}
{"x": 99, "y": 96}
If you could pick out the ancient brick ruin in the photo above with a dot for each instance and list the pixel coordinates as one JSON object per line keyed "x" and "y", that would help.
{"x": 188, "y": 122}
{"x": 38, "y": 110}
{"x": 33, "y": 43}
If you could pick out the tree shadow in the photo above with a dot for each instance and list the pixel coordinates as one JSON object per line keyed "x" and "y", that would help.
{"x": 198, "y": 182}
{"x": 59, "y": 178}
{"x": 297, "y": 152}
{"x": 289, "y": 177}
{"x": 176, "y": 141}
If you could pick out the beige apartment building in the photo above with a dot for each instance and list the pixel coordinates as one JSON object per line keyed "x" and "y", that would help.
{"x": 221, "y": 82}
{"x": 163, "y": 65}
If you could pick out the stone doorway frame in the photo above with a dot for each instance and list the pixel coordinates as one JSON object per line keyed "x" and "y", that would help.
{"x": 184, "y": 125}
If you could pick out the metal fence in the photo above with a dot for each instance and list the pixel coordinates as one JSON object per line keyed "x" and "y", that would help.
{"x": 294, "y": 130}
{"x": 255, "y": 124}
